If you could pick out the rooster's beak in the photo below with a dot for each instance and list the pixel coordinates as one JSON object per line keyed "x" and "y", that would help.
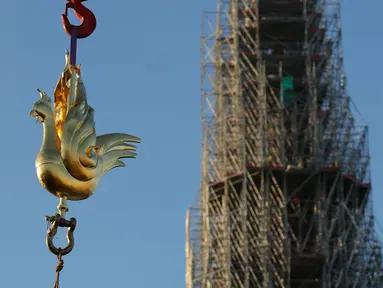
{"x": 39, "y": 119}
{"x": 33, "y": 113}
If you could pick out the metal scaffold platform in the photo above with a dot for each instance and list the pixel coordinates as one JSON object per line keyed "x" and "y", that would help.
{"x": 286, "y": 197}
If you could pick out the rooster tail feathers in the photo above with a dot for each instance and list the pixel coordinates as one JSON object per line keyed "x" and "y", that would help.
{"x": 115, "y": 147}
{"x": 113, "y": 140}
{"x": 121, "y": 147}
{"x": 119, "y": 163}
{"x": 111, "y": 159}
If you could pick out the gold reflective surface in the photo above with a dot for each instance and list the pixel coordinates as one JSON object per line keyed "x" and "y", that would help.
{"x": 72, "y": 159}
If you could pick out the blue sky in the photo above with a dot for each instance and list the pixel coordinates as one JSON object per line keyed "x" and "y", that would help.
{"x": 141, "y": 70}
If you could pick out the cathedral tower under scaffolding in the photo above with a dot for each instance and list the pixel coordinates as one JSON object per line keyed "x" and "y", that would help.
{"x": 285, "y": 185}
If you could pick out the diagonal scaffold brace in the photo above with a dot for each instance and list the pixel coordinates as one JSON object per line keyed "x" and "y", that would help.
{"x": 85, "y": 29}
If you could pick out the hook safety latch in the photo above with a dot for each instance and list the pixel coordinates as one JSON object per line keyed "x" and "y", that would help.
{"x": 87, "y": 17}
{"x": 56, "y": 222}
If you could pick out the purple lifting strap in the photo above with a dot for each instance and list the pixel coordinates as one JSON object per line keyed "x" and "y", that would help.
{"x": 73, "y": 46}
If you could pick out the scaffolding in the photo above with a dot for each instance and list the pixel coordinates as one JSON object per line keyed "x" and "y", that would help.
{"x": 285, "y": 195}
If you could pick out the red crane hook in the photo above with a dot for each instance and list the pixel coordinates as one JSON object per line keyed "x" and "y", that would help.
{"x": 87, "y": 17}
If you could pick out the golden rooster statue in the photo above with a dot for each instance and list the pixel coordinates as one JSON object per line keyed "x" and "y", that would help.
{"x": 72, "y": 159}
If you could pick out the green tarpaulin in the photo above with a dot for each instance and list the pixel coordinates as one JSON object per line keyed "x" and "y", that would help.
{"x": 288, "y": 89}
